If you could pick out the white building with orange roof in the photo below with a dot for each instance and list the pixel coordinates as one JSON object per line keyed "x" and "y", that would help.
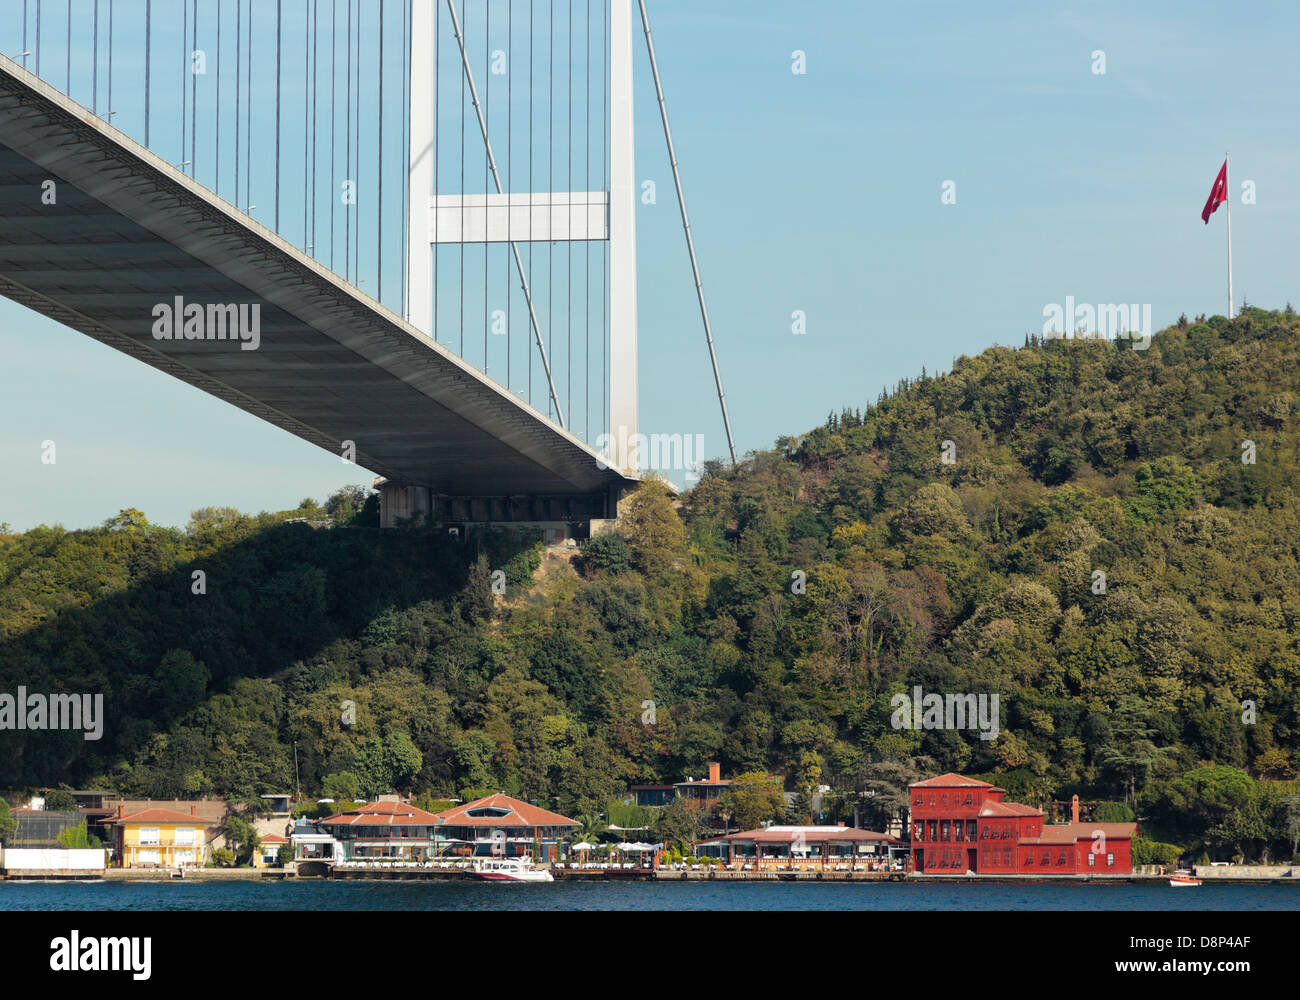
{"x": 388, "y": 828}
{"x": 500, "y": 824}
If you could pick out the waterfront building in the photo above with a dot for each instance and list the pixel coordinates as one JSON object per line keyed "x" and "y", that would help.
{"x": 705, "y": 790}
{"x": 814, "y": 846}
{"x": 156, "y": 837}
{"x": 268, "y": 852}
{"x": 312, "y": 843}
{"x": 499, "y": 824}
{"x": 960, "y": 825}
{"x": 101, "y": 818}
{"x": 388, "y": 828}
{"x": 653, "y": 795}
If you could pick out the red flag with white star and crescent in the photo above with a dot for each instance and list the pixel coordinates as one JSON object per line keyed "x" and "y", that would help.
{"x": 1218, "y": 194}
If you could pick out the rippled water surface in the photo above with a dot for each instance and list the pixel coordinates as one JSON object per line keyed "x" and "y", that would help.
{"x": 387, "y": 895}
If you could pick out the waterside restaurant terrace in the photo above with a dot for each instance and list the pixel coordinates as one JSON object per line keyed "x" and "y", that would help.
{"x": 796, "y": 847}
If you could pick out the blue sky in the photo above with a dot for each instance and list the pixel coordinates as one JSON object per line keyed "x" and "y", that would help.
{"x": 819, "y": 193}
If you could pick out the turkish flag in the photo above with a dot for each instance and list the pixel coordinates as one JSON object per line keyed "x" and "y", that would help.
{"x": 1218, "y": 194}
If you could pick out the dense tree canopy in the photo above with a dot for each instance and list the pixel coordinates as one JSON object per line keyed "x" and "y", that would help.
{"x": 1107, "y": 539}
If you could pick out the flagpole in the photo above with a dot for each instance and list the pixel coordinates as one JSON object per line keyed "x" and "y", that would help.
{"x": 1228, "y": 195}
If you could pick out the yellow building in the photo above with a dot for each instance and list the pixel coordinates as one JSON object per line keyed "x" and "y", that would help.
{"x": 159, "y": 838}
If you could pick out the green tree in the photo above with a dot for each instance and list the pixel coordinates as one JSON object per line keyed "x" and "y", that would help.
{"x": 76, "y": 838}
{"x": 652, "y": 529}
{"x": 342, "y": 787}
{"x": 1130, "y": 753}
{"x": 59, "y": 800}
{"x": 8, "y": 825}
{"x": 607, "y": 554}
{"x": 1291, "y": 823}
{"x": 752, "y": 798}
{"x": 242, "y": 837}
{"x": 386, "y": 764}
{"x": 679, "y": 824}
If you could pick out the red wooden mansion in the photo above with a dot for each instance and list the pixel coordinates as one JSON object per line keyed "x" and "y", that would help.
{"x": 962, "y": 825}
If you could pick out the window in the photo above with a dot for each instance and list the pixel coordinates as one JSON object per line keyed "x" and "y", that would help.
{"x": 970, "y": 798}
{"x": 1110, "y": 861}
{"x": 932, "y": 798}
{"x": 149, "y": 835}
{"x": 919, "y": 798}
{"x": 943, "y": 799}
{"x": 1060, "y": 858}
{"x": 185, "y": 836}
{"x": 1029, "y": 858}
{"x": 1092, "y": 860}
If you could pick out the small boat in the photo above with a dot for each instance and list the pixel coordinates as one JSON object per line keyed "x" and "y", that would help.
{"x": 1183, "y": 877}
{"x": 509, "y": 870}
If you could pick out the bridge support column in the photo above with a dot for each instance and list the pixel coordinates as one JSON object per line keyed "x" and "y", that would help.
{"x": 622, "y": 245}
{"x": 419, "y": 252}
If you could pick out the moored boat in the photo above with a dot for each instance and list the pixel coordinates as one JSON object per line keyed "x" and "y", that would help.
{"x": 509, "y": 870}
{"x": 1182, "y": 877}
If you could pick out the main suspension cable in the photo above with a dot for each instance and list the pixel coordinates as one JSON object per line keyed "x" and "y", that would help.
{"x": 686, "y": 226}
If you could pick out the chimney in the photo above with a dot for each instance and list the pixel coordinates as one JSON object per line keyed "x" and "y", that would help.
{"x": 194, "y": 810}
{"x": 121, "y": 810}
{"x": 1074, "y": 809}
{"x": 715, "y": 771}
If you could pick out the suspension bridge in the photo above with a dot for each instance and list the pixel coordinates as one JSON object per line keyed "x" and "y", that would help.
{"x": 402, "y": 231}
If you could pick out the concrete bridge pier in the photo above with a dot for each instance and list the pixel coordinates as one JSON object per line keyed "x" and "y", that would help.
{"x": 559, "y": 517}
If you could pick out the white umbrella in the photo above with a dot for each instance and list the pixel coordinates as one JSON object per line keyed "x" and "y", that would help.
{"x": 583, "y": 846}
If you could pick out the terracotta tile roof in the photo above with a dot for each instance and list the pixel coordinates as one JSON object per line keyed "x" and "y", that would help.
{"x": 993, "y": 808}
{"x": 951, "y": 780}
{"x": 513, "y": 812}
{"x": 1053, "y": 836}
{"x": 274, "y": 838}
{"x": 382, "y": 814}
{"x": 159, "y": 815}
{"x": 1071, "y": 833}
{"x": 211, "y": 809}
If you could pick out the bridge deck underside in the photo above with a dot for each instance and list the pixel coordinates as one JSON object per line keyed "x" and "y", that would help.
{"x": 128, "y": 232}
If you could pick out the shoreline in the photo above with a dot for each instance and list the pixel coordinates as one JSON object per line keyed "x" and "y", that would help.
{"x": 226, "y": 875}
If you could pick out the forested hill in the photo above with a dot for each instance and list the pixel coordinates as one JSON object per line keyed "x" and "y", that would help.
{"x": 1106, "y": 538}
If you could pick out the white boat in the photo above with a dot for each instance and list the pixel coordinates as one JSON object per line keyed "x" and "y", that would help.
{"x": 1182, "y": 877}
{"x": 509, "y": 870}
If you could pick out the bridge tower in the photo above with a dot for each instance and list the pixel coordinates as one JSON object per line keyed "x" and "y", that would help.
{"x": 513, "y": 217}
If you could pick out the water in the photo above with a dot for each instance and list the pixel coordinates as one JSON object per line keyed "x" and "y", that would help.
{"x": 388, "y": 895}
